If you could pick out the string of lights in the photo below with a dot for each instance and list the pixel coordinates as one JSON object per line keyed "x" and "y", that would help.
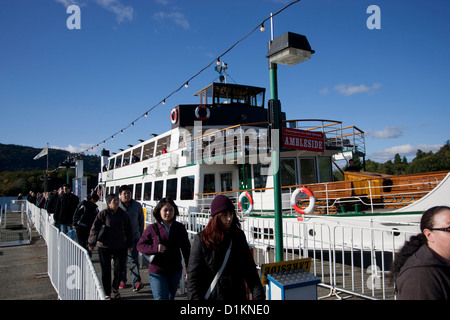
{"x": 185, "y": 84}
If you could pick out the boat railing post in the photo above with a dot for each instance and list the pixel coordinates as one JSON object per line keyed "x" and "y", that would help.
{"x": 370, "y": 194}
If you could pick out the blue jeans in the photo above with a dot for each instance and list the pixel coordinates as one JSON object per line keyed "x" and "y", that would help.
{"x": 65, "y": 228}
{"x": 133, "y": 265}
{"x": 164, "y": 285}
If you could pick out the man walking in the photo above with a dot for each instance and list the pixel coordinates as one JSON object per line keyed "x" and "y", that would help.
{"x": 65, "y": 207}
{"x": 136, "y": 215}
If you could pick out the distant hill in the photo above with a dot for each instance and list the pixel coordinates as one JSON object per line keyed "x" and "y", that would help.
{"x": 19, "y": 173}
{"x": 19, "y": 158}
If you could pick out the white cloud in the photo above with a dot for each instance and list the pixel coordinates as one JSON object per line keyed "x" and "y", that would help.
{"x": 77, "y": 149}
{"x": 67, "y": 3}
{"x": 121, "y": 11}
{"x": 176, "y": 17}
{"x": 387, "y": 133}
{"x": 406, "y": 150}
{"x": 350, "y": 89}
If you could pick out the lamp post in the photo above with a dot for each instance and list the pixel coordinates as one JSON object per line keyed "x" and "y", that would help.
{"x": 288, "y": 49}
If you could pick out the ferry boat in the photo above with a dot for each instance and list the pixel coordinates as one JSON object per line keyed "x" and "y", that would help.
{"x": 223, "y": 144}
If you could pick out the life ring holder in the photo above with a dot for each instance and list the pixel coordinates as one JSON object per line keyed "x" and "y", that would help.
{"x": 197, "y": 112}
{"x": 174, "y": 116}
{"x": 312, "y": 200}
{"x": 247, "y": 195}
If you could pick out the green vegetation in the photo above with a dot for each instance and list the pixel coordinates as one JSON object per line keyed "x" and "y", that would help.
{"x": 19, "y": 173}
{"x": 423, "y": 162}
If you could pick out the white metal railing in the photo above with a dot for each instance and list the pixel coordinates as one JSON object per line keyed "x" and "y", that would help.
{"x": 352, "y": 260}
{"x": 70, "y": 268}
{"x": 368, "y": 193}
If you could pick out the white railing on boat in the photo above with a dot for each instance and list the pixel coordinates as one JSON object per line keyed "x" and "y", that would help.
{"x": 349, "y": 196}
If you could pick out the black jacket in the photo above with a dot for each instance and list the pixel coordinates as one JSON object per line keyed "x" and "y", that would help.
{"x": 240, "y": 269}
{"x": 85, "y": 214}
{"x": 65, "y": 208}
{"x": 117, "y": 234}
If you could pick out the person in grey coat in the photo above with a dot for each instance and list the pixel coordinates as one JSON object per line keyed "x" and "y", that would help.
{"x": 136, "y": 215}
{"x": 421, "y": 268}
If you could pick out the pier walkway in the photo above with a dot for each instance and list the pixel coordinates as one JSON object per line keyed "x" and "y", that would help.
{"x": 23, "y": 265}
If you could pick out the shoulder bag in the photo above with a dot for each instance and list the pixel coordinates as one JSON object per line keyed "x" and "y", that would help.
{"x": 219, "y": 273}
{"x": 150, "y": 257}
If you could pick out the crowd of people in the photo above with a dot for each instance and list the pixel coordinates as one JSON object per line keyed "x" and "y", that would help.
{"x": 219, "y": 264}
{"x": 119, "y": 235}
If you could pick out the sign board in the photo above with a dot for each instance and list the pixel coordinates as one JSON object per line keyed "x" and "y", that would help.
{"x": 303, "y": 140}
{"x": 276, "y": 267}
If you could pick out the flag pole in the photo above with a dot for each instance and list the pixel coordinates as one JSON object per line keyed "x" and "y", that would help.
{"x": 46, "y": 174}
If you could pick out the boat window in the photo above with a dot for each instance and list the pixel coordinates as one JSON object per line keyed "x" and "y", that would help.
{"x": 287, "y": 169}
{"x": 107, "y": 191}
{"x": 148, "y": 150}
{"x": 111, "y": 163}
{"x": 171, "y": 188}
{"x": 226, "y": 182}
{"x": 126, "y": 158}
{"x": 136, "y": 157}
{"x": 187, "y": 188}
{"x": 260, "y": 175}
{"x": 132, "y": 188}
{"x": 138, "y": 194}
{"x": 325, "y": 172}
{"x": 209, "y": 183}
{"x": 147, "y": 191}
{"x": 158, "y": 190}
{"x": 116, "y": 191}
{"x": 119, "y": 161}
{"x": 162, "y": 144}
{"x": 307, "y": 171}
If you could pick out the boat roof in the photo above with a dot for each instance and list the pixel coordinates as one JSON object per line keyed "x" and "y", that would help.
{"x": 227, "y": 88}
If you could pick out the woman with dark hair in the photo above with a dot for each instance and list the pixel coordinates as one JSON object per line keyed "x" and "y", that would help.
{"x": 164, "y": 239}
{"x": 421, "y": 268}
{"x": 221, "y": 262}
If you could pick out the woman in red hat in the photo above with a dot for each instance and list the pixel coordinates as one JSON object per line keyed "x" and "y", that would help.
{"x": 221, "y": 263}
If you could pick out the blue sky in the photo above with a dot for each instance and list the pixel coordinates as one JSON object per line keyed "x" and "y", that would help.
{"x": 75, "y": 88}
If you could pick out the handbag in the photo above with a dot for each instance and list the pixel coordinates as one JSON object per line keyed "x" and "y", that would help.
{"x": 219, "y": 273}
{"x": 150, "y": 257}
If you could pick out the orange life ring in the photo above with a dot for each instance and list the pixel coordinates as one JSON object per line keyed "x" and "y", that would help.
{"x": 312, "y": 200}
{"x": 247, "y": 195}
{"x": 174, "y": 116}
{"x": 197, "y": 112}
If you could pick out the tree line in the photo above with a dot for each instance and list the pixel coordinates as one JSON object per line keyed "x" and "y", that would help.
{"x": 19, "y": 173}
{"x": 423, "y": 162}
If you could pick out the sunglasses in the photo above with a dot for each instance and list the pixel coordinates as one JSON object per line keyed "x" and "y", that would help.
{"x": 447, "y": 229}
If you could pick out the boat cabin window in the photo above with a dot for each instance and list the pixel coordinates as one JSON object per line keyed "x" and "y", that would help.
{"x": 111, "y": 163}
{"x": 136, "y": 157}
{"x": 119, "y": 161}
{"x": 226, "y": 181}
{"x": 209, "y": 183}
{"x": 148, "y": 150}
{"x": 126, "y": 158}
{"x": 171, "y": 188}
{"x": 325, "y": 171}
{"x": 158, "y": 193}
{"x": 288, "y": 172}
{"x": 147, "y": 191}
{"x": 307, "y": 171}
{"x": 162, "y": 146}
{"x": 229, "y": 93}
{"x": 138, "y": 194}
{"x": 260, "y": 173}
{"x": 187, "y": 188}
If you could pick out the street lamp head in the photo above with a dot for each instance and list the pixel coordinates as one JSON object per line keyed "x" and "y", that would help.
{"x": 289, "y": 49}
